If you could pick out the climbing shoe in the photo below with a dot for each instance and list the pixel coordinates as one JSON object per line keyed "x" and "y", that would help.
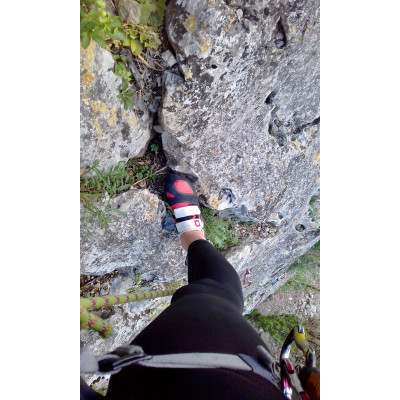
{"x": 181, "y": 197}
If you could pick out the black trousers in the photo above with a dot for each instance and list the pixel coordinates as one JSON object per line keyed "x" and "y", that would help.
{"x": 204, "y": 316}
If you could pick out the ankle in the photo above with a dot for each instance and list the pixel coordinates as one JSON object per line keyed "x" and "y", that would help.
{"x": 189, "y": 237}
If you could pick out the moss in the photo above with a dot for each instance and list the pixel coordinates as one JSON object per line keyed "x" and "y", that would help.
{"x": 278, "y": 326}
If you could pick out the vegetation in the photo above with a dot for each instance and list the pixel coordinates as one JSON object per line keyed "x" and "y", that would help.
{"x": 278, "y": 326}
{"x": 219, "y": 231}
{"x": 314, "y": 211}
{"x": 304, "y": 271}
{"x": 97, "y": 189}
{"x": 106, "y": 30}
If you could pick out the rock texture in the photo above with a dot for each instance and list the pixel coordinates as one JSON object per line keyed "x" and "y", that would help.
{"x": 137, "y": 243}
{"x": 108, "y": 132}
{"x": 242, "y": 119}
{"x": 240, "y": 116}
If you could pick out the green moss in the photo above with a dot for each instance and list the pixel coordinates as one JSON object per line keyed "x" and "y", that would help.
{"x": 278, "y": 326}
{"x": 219, "y": 231}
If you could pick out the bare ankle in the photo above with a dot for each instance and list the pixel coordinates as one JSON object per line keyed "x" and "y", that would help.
{"x": 189, "y": 237}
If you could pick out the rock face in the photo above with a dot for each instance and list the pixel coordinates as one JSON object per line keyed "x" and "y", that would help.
{"x": 108, "y": 132}
{"x": 242, "y": 119}
{"x": 136, "y": 243}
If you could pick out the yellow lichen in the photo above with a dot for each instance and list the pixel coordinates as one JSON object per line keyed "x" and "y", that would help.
{"x": 269, "y": 197}
{"x": 227, "y": 93}
{"x": 213, "y": 4}
{"x": 180, "y": 89}
{"x": 97, "y": 125}
{"x": 87, "y": 79}
{"x": 98, "y": 107}
{"x": 214, "y": 150}
{"x": 188, "y": 72}
{"x": 297, "y": 144}
{"x": 132, "y": 120}
{"x": 232, "y": 20}
{"x": 316, "y": 158}
{"x": 113, "y": 117}
{"x": 150, "y": 216}
{"x": 124, "y": 113}
{"x": 205, "y": 45}
{"x": 190, "y": 24}
{"x": 85, "y": 100}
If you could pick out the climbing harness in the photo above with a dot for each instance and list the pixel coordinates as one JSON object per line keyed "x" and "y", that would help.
{"x": 124, "y": 356}
{"x": 91, "y": 321}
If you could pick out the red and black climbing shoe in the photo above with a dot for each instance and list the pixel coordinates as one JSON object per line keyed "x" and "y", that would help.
{"x": 182, "y": 199}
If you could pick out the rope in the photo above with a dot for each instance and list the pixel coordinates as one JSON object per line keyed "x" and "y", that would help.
{"x": 91, "y": 321}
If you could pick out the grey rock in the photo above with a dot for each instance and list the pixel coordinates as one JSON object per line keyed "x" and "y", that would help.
{"x": 128, "y": 10}
{"x": 313, "y": 308}
{"x": 108, "y": 132}
{"x": 137, "y": 243}
{"x": 169, "y": 58}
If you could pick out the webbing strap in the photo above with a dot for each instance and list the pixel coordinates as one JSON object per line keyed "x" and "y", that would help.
{"x": 134, "y": 355}
{"x": 189, "y": 225}
{"x": 186, "y": 211}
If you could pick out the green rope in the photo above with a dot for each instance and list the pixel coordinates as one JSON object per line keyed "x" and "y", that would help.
{"x": 91, "y": 321}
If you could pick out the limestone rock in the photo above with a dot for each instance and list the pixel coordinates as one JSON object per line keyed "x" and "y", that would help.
{"x": 108, "y": 132}
{"x": 128, "y": 10}
{"x": 244, "y": 119}
{"x": 136, "y": 243}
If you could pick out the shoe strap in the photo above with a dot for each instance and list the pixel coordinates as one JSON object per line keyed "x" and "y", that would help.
{"x": 186, "y": 211}
{"x": 189, "y": 225}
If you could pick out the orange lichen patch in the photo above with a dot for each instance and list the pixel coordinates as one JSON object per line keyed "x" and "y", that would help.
{"x": 180, "y": 89}
{"x": 269, "y": 197}
{"x": 190, "y": 24}
{"x": 187, "y": 92}
{"x": 214, "y": 150}
{"x": 87, "y": 79}
{"x": 214, "y": 202}
{"x": 98, "y": 107}
{"x": 316, "y": 158}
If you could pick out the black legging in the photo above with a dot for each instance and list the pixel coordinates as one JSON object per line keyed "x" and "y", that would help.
{"x": 206, "y": 314}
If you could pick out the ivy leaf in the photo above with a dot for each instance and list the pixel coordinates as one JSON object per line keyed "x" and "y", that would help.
{"x": 85, "y": 40}
{"x": 136, "y": 47}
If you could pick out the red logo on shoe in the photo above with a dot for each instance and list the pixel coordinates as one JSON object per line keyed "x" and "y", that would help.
{"x": 197, "y": 223}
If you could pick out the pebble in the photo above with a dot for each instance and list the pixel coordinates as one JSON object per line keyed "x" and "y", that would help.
{"x": 313, "y": 308}
{"x": 290, "y": 298}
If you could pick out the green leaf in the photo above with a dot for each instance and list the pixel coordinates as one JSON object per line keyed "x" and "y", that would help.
{"x": 146, "y": 8}
{"x": 129, "y": 94}
{"x": 83, "y": 24}
{"x": 124, "y": 86}
{"x": 136, "y": 47}
{"x": 99, "y": 37}
{"x": 116, "y": 23}
{"x": 90, "y": 26}
{"x": 123, "y": 58}
{"x": 118, "y": 35}
{"x": 116, "y": 57}
{"x": 85, "y": 40}
{"x": 123, "y": 187}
